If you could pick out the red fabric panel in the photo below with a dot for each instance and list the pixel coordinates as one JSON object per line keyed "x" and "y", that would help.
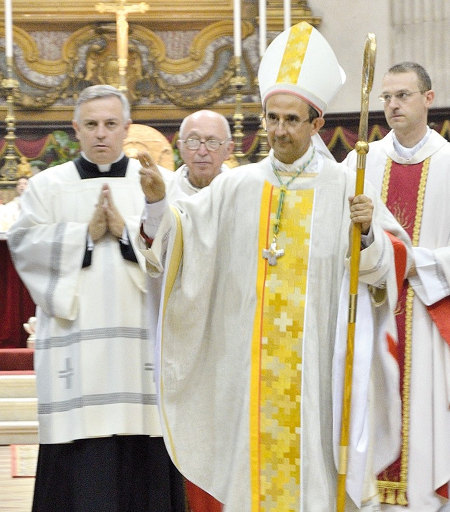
{"x": 16, "y": 305}
{"x": 16, "y": 359}
{"x": 397, "y": 349}
{"x": 440, "y": 314}
{"x": 443, "y": 491}
{"x": 32, "y": 148}
{"x": 400, "y": 257}
{"x": 392, "y": 346}
{"x": 199, "y": 500}
{"x": 17, "y": 372}
{"x": 147, "y": 239}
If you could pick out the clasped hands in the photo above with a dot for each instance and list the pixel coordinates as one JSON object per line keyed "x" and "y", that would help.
{"x": 106, "y": 217}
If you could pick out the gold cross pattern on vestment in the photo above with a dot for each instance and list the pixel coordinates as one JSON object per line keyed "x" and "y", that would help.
{"x": 272, "y": 254}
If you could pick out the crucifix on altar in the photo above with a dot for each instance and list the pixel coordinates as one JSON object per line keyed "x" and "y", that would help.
{"x": 121, "y": 11}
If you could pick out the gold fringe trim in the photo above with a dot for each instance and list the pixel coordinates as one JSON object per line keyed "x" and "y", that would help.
{"x": 392, "y": 493}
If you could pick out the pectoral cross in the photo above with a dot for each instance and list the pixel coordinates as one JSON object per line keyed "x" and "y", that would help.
{"x": 121, "y": 10}
{"x": 272, "y": 254}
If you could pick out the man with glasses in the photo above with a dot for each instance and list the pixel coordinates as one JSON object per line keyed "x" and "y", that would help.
{"x": 204, "y": 143}
{"x": 253, "y": 270}
{"x": 411, "y": 169}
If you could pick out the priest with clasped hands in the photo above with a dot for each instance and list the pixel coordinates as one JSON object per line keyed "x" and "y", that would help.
{"x": 100, "y": 443}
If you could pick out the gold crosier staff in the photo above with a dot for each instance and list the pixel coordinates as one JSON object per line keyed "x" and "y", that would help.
{"x": 362, "y": 148}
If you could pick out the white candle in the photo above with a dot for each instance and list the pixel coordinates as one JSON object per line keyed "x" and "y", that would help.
{"x": 262, "y": 27}
{"x": 8, "y": 29}
{"x": 237, "y": 27}
{"x": 287, "y": 14}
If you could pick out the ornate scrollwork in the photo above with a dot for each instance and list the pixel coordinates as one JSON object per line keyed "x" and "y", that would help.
{"x": 191, "y": 98}
{"x": 89, "y": 56}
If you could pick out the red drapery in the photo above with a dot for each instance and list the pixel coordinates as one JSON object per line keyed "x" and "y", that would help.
{"x": 16, "y": 305}
{"x": 29, "y": 148}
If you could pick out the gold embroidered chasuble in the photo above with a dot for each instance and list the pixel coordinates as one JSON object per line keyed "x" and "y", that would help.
{"x": 229, "y": 315}
{"x": 276, "y": 375}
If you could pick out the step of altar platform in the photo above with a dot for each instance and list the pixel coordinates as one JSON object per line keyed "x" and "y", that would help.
{"x": 17, "y": 385}
{"x": 18, "y": 432}
{"x": 18, "y": 408}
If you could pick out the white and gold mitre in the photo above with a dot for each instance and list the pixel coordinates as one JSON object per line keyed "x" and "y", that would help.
{"x": 300, "y": 61}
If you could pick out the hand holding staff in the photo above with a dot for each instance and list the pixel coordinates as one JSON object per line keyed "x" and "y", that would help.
{"x": 362, "y": 148}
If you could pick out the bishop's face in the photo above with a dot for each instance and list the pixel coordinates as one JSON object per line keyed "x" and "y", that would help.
{"x": 289, "y": 129}
{"x": 101, "y": 129}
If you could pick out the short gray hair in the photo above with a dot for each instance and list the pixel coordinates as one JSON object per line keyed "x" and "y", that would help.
{"x": 101, "y": 91}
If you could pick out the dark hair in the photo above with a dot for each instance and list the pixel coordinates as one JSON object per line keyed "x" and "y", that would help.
{"x": 422, "y": 76}
{"x": 312, "y": 113}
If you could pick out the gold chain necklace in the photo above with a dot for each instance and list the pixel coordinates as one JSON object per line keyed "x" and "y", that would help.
{"x": 272, "y": 253}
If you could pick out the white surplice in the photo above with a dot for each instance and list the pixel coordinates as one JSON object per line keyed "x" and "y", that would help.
{"x": 429, "y": 428}
{"x": 93, "y": 359}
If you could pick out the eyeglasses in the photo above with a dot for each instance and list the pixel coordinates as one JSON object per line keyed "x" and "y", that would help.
{"x": 291, "y": 122}
{"x": 211, "y": 144}
{"x": 401, "y": 97}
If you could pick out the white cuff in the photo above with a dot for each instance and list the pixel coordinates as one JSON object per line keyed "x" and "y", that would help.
{"x": 429, "y": 284}
{"x": 152, "y": 215}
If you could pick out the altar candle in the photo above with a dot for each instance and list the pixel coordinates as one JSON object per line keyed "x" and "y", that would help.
{"x": 237, "y": 28}
{"x": 8, "y": 29}
{"x": 287, "y": 14}
{"x": 262, "y": 27}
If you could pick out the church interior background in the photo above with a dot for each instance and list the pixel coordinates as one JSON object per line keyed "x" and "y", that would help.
{"x": 180, "y": 57}
{"x": 173, "y": 57}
